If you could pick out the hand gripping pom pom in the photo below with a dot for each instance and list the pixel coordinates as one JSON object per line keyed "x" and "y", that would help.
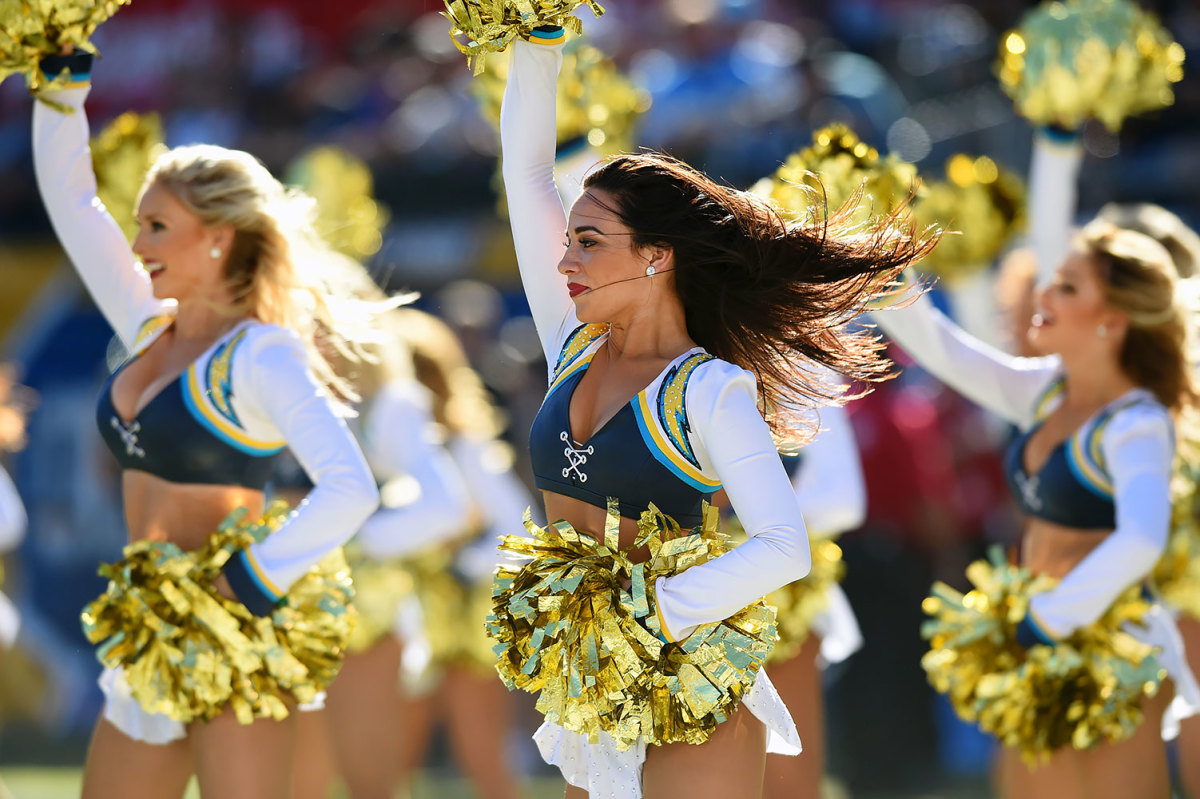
{"x": 1084, "y": 690}
{"x": 1072, "y": 61}
{"x": 567, "y": 627}
{"x": 31, "y": 30}
{"x": 190, "y": 653}
{"x": 489, "y": 26}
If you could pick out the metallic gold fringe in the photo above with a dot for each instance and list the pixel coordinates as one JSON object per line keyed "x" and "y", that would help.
{"x": 816, "y": 181}
{"x": 33, "y": 29}
{"x": 454, "y": 613}
{"x": 798, "y": 604}
{"x": 596, "y": 101}
{"x": 348, "y": 216}
{"x": 189, "y": 652}
{"x": 569, "y": 629}
{"x": 122, "y": 154}
{"x": 491, "y": 25}
{"x": 982, "y": 203}
{"x": 379, "y": 588}
{"x": 1177, "y": 575}
{"x": 1071, "y": 61}
{"x": 1084, "y": 690}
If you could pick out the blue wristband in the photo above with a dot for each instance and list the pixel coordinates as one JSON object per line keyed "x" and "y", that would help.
{"x": 548, "y": 34}
{"x": 1060, "y": 135}
{"x": 1029, "y": 634}
{"x": 78, "y": 63}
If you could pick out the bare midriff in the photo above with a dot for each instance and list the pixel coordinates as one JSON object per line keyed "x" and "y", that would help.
{"x": 183, "y": 514}
{"x": 589, "y": 519}
{"x": 1053, "y": 550}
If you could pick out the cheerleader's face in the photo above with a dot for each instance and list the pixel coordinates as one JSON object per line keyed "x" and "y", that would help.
{"x": 606, "y": 274}
{"x": 176, "y": 249}
{"x": 1072, "y": 315}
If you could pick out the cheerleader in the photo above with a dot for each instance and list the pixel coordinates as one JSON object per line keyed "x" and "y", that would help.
{"x": 1090, "y": 469}
{"x": 662, "y": 267}
{"x": 13, "y": 522}
{"x": 219, "y": 381}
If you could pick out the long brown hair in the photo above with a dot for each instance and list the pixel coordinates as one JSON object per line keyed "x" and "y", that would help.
{"x": 1138, "y": 278}
{"x": 768, "y": 295}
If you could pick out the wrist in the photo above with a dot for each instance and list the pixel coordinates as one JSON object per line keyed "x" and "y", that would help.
{"x": 1030, "y": 634}
{"x": 547, "y": 34}
{"x": 77, "y": 67}
{"x": 1056, "y": 134}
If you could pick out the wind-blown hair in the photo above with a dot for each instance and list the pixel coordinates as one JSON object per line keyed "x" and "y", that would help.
{"x": 769, "y": 295}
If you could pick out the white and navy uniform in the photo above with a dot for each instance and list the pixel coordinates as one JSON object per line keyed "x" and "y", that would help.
{"x": 1113, "y": 473}
{"x": 694, "y": 429}
{"x": 228, "y": 414}
{"x": 12, "y": 529}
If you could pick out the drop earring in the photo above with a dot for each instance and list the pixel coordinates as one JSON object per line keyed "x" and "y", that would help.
{"x": 215, "y": 252}
{"x": 1102, "y": 331}
{"x": 649, "y": 271}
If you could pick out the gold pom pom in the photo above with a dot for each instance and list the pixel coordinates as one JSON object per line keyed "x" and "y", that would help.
{"x": 30, "y": 31}
{"x": 1079, "y": 59}
{"x": 122, "y": 154}
{"x": 596, "y": 102}
{"x": 799, "y": 603}
{"x": 1084, "y": 690}
{"x": 379, "y": 588}
{"x": 491, "y": 25}
{"x": 1177, "y": 574}
{"x": 838, "y": 168}
{"x": 981, "y": 202}
{"x": 349, "y": 218}
{"x": 454, "y": 613}
{"x": 578, "y": 624}
{"x": 189, "y": 652}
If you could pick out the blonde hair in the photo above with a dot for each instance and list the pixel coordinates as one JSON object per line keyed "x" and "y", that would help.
{"x": 277, "y": 269}
{"x": 460, "y": 401}
{"x": 1139, "y": 279}
{"x": 1161, "y": 225}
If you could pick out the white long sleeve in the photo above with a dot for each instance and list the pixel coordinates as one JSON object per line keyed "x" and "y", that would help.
{"x": 1004, "y": 384}
{"x": 1138, "y": 447}
{"x": 829, "y": 484}
{"x": 570, "y": 169}
{"x": 735, "y": 440}
{"x": 400, "y": 439}
{"x": 13, "y": 520}
{"x": 1053, "y": 188}
{"x": 92, "y": 240}
{"x": 535, "y": 210}
{"x": 498, "y": 495}
{"x": 276, "y": 387}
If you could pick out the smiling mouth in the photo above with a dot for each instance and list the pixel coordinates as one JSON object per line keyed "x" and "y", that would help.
{"x": 1041, "y": 320}
{"x": 153, "y": 269}
{"x": 575, "y": 289}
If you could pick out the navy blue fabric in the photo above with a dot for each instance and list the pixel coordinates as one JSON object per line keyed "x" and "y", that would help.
{"x": 166, "y": 441}
{"x": 248, "y": 590}
{"x": 1054, "y": 493}
{"x": 615, "y": 462}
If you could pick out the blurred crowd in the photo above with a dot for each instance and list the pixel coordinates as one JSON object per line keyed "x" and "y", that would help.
{"x": 736, "y": 86}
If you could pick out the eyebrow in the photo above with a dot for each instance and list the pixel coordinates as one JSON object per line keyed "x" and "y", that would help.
{"x": 584, "y": 228}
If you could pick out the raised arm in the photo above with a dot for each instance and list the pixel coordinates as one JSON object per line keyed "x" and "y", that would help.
{"x": 829, "y": 485}
{"x": 400, "y": 440}
{"x": 92, "y": 240}
{"x": 722, "y": 410}
{"x": 282, "y": 390}
{"x": 1138, "y": 448}
{"x": 12, "y": 514}
{"x": 1053, "y": 179}
{"x": 527, "y": 137}
{"x": 1004, "y": 384}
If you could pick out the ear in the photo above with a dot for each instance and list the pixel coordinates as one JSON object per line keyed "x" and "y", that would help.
{"x": 1118, "y": 323}
{"x": 221, "y": 236}
{"x": 660, "y": 256}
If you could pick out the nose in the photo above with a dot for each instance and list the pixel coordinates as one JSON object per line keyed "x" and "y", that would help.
{"x": 568, "y": 264}
{"x": 138, "y": 245}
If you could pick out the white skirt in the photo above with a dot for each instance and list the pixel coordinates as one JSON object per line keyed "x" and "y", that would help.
{"x": 128, "y": 716}
{"x": 837, "y": 627}
{"x": 605, "y": 772}
{"x": 1160, "y": 631}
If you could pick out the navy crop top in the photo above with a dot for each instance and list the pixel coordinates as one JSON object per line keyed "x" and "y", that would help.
{"x": 640, "y": 455}
{"x": 189, "y": 432}
{"x": 1073, "y": 487}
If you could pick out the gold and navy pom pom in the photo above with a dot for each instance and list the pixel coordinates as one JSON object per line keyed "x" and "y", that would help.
{"x": 31, "y": 31}
{"x": 579, "y": 626}
{"x": 1084, "y": 690}
{"x": 1177, "y": 575}
{"x": 349, "y": 218}
{"x": 454, "y": 613}
{"x": 1076, "y": 60}
{"x": 379, "y": 588}
{"x": 489, "y": 26}
{"x": 838, "y": 168}
{"x": 596, "y": 101}
{"x": 122, "y": 155}
{"x": 980, "y": 205}
{"x": 190, "y": 653}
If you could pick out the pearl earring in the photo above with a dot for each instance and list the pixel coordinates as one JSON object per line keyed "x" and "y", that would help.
{"x": 649, "y": 271}
{"x": 1102, "y": 331}
{"x": 215, "y": 252}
